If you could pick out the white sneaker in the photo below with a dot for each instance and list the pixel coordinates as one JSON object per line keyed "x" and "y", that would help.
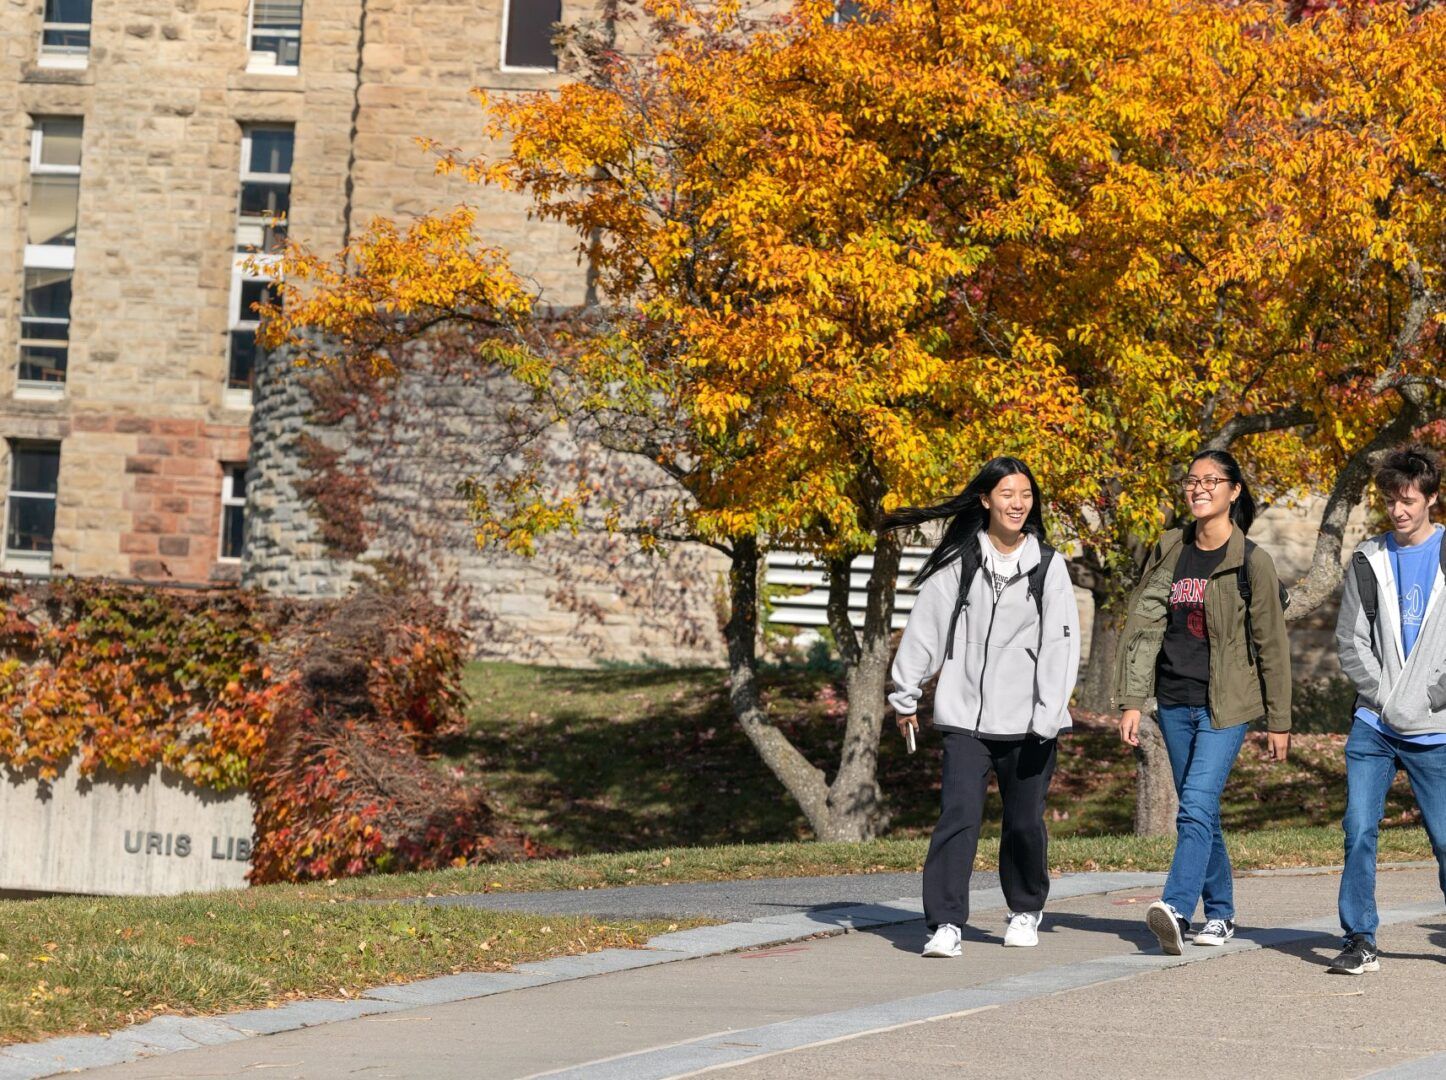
{"x": 1168, "y": 925}
{"x": 1023, "y": 929}
{"x": 945, "y": 941}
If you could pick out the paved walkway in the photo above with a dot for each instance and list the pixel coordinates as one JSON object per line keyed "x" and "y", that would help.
{"x": 1095, "y": 999}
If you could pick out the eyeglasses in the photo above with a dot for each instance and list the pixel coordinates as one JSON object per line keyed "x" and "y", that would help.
{"x": 1209, "y": 483}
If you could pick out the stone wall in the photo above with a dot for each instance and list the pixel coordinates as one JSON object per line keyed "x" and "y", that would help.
{"x": 580, "y": 599}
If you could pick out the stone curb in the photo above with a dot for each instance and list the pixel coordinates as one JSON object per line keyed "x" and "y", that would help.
{"x": 169, "y": 1034}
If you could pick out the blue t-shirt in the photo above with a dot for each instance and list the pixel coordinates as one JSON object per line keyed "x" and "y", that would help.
{"x": 1414, "y": 569}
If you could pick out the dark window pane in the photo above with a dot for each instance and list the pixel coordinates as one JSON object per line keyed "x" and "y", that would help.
{"x": 244, "y": 353}
{"x": 238, "y": 481}
{"x": 529, "y": 33}
{"x": 286, "y": 49}
{"x": 67, "y": 11}
{"x": 270, "y": 151}
{"x": 233, "y": 532}
{"x": 34, "y": 468}
{"x": 66, "y": 40}
{"x": 258, "y": 199}
{"x": 31, "y": 524}
{"x": 253, "y": 293}
{"x": 47, "y": 294}
{"x": 35, "y": 330}
{"x": 43, "y": 363}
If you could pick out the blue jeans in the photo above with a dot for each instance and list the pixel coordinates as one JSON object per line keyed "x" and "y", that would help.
{"x": 1200, "y": 758}
{"x": 1371, "y": 763}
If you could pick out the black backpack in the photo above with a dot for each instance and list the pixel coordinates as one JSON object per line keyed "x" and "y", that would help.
{"x": 970, "y": 561}
{"x": 1242, "y": 582}
{"x": 1366, "y": 586}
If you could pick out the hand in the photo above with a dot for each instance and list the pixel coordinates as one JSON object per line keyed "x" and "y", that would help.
{"x": 906, "y": 722}
{"x": 1130, "y": 727}
{"x": 1277, "y": 745}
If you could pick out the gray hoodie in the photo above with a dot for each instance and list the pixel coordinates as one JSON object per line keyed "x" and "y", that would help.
{"x": 992, "y": 684}
{"x": 1409, "y": 695}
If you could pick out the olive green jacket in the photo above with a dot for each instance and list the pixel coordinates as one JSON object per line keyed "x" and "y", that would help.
{"x": 1240, "y": 691}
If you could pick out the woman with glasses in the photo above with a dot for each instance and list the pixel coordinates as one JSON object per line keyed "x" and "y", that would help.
{"x": 1205, "y": 637}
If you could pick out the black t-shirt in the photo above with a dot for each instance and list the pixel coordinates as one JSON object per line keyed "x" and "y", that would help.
{"x": 1182, "y": 676}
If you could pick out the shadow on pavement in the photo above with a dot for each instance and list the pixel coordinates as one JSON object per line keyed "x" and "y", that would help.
{"x": 909, "y": 937}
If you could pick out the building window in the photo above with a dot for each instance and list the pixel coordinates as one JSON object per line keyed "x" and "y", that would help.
{"x": 265, "y": 188}
{"x": 45, "y": 326}
{"x": 49, "y": 256}
{"x": 233, "y": 513}
{"x": 246, "y": 294}
{"x": 30, "y": 506}
{"x": 275, "y": 36}
{"x": 527, "y": 29}
{"x": 260, "y": 234}
{"x": 65, "y": 34}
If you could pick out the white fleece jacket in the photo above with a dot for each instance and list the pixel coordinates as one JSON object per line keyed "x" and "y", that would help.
{"x": 1013, "y": 671}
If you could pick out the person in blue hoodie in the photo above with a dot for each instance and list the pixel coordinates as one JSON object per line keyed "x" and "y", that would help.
{"x": 1391, "y": 638}
{"x": 996, "y": 619}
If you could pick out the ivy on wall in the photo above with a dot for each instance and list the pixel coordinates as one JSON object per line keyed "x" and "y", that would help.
{"x": 326, "y": 712}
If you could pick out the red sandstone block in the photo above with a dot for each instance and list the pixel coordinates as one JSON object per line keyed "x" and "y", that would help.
{"x": 149, "y": 568}
{"x": 155, "y": 485}
{"x": 181, "y": 428}
{"x": 90, "y": 422}
{"x": 175, "y": 545}
{"x": 133, "y": 544}
{"x": 186, "y": 466}
{"x": 174, "y": 504}
{"x": 134, "y": 425}
{"x": 150, "y": 444}
{"x": 142, "y": 464}
{"x": 151, "y": 523}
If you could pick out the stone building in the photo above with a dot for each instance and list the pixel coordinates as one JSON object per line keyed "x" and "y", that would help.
{"x": 144, "y": 146}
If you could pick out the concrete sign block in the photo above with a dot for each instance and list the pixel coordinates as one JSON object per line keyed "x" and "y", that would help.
{"x": 142, "y": 834}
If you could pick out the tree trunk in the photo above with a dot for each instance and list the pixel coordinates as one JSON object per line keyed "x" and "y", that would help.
{"x": 1155, "y": 799}
{"x": 854, "y": 800}
{"x": 801, "y": 779}
{"x": 1094, "y": 688}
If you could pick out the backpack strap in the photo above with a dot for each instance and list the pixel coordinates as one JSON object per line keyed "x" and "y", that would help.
{"x": 1247, "y": 594}
{"x": 1366, "y": 586}
{"x": 970, "y": 560}
{"x": 1040, "y": 572}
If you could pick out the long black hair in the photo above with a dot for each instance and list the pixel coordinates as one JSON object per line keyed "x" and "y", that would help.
{"x": 1242, "y": 510}
{"x": 967, "y": 515}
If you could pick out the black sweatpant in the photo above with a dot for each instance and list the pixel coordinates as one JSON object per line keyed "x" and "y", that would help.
{"x": 1024, "y": 769}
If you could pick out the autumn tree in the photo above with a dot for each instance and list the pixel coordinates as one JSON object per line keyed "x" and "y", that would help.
{"x": 838, "y": 265}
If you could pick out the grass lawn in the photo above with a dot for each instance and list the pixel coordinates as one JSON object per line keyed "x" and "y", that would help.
{"x": 1262, "y": 850}
{"x": 71, "y": 965}
{"x": 635, "y": 759}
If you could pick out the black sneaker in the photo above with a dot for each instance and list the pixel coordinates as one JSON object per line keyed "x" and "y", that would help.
{"x": 1168, "y": 925}
{"x": 1358, "y": 957}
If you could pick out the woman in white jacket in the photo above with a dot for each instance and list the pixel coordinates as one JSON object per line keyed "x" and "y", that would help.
{"x": 996, "y": 619}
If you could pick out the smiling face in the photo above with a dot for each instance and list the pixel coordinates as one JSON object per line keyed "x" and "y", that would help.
{"x": 1207, "y": 492}
{"x": 1009, "y": 505}
{"x": 1410, "y": 513}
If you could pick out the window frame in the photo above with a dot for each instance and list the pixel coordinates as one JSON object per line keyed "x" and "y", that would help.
{"x": 64, "y": 56}
{"x": 230, "y": 501}
{"x": 48, "y": 256}
{"x": 502, "y": 64}
{"x": 266, "y": 62}
{"x": 37, "y": 563}
{"x": 244, "y": 261}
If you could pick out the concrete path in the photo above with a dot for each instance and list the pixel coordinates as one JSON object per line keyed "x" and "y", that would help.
{"x": 1094, "y": 999}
